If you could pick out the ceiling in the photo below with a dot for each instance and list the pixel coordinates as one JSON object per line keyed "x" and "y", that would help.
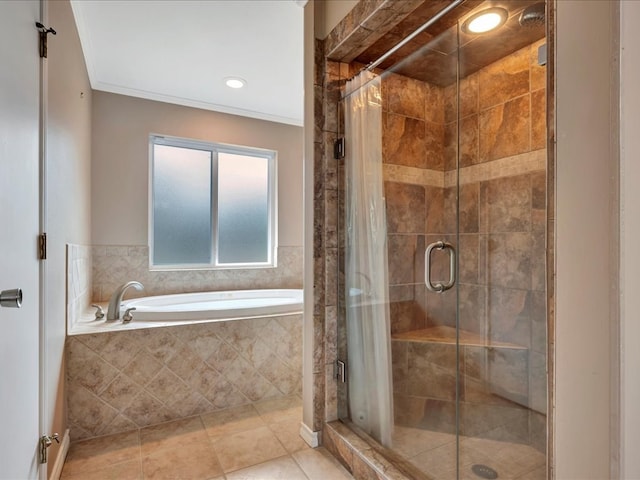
{"x": 181, "y": 51}
{"x": 434, "y": 55}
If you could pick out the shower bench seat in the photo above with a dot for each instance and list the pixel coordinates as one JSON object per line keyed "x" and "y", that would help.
{"x": 447, "y": 335}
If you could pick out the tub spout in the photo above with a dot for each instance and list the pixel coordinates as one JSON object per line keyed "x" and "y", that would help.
{"x": 113, "y": 312}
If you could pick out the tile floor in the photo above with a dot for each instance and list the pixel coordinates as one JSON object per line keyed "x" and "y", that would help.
{"x": 252, "y": 442}
{"x": 434, "y": 453}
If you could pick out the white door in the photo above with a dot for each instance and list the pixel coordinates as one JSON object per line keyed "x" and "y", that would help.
{"x": 19, "y": 220}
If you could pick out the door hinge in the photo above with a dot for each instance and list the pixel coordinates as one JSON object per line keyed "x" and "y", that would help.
{"x": 42, "y": 246}
{"x": 44, "y": 31}
{"x": 338, "y": 149}
{"x": 341, "y": 371}
{"x": 45, "y": 443}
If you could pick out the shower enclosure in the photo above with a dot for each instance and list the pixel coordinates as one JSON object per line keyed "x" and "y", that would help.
{"x": 462, "y": 308}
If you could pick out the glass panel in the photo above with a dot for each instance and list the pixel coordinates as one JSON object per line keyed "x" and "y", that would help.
{"x": 502, "y": 155}
{"x": 464, "y": 163}
{"x": 181, "y": 205}
{"x": 243, "y": 208}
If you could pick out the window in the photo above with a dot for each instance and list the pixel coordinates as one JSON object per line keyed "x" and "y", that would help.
{"x": 211, "y": 205}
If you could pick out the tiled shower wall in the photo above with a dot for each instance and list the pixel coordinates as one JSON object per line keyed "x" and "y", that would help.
{"x": 503, "y": 198}
{"x": 502, "y": 242}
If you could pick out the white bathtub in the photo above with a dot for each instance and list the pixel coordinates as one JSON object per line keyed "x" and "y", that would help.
{"x": 186, "y": 308}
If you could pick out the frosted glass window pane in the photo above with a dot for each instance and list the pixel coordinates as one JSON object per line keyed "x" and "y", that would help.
{"x": 181, "y": 205}
{"x": 243, "y": 209}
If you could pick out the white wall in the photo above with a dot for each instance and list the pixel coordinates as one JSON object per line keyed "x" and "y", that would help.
{"x": 69, "y": 185}
{"x": 585, "y": 193}
{"x": 329, "y": 13}
{"x": 120, "y": 160}
{"x": 629, "y": 236}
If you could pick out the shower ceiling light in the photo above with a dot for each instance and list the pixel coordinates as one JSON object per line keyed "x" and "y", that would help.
{"x": 235, "y": 82}
{"x": 485, "y": 21}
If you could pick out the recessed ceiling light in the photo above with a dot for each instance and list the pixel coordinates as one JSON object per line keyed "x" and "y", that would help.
{"x": 235, "y": 82}
{"x": 485, "y": 21}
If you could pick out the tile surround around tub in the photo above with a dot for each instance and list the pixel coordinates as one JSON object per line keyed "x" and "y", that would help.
{"x": 114, "y": 265}
{"x": 132, "y": 379}
{"x": 79, "y": 281}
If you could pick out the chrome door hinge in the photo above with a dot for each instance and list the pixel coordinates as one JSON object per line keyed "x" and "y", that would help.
{"x": 42, "y": 246}
{"x": 341, "y": 371}
{"x": 339, "y": 149}
{"x": 45, "y": 443}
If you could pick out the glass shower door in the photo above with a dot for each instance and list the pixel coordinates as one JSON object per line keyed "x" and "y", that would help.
{"x": 464, "y": 181}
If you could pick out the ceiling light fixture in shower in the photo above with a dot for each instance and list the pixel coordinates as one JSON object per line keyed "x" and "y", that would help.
{"x": 485, "y": 20}
{"x": 235, "y": 82}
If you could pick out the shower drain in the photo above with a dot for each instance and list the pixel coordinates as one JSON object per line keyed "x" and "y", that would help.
{"x": 484, "y": 471}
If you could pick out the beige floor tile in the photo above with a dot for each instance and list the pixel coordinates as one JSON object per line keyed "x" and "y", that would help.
{"x": 280, "y": 409}
{"x": 244, "y": 449}
{"x": 539, "y": 473}
{"x": 289, "y": 435}
{"x": 195, "y": 462}
{"x": 232, "y": 420}
{"x": 98, "y": 453}
{"x": 410, "y": 442}
{"x": 130, "y": 470}
{"x": 283, "y": 468}
{"x": 319, "y": 464}
{"x": 177, "y": 434}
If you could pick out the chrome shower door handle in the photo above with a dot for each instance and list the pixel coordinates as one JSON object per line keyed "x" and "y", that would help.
{"x": 439, "y": 287}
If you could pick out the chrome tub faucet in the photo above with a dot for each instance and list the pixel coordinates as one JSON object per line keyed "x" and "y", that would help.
{"x": 113, "y": 312}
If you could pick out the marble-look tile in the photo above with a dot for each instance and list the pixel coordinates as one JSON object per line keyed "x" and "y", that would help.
{"x": 175, "y": 435}
{"x": 483, "y": 420}
{"x": 509, "y": 260}
{"x": 288, "y": 432}
{"x": 538, "y": 382}
{"x": 283, "y": 468}
{"x": 412, "y": 441}
{"x": 147, "y": 410}
{"x": 406, "y": 316}
{"x": 232, "y": 420}
{"x": 402, "y": 257}
{"x": 129, "y": 470}
{"x": 97, "y": 377}
{"x": 196, "y": 462}
{"x": 508, "y": 315}
{"x": 408, "y": 410}
{"x": 505, "y": 129}
{"x": 247, "y": 448}
{"x": 539, "y": 119}
{"x": 505, "y": 79}
{"x": 468, "y": 208}
{"x": 505, "y": 204}
{"x": 405, "y": 207}
{"x": 434, "y": 139}
{"x": 468, "y": 138}
{"x": 88, "y": 412}
{"x": 319, "y": 464}
{"x": 98, "y": 453}
{"x": 432, "y": 371}
{"x": 403, "y": 141}
{"x": 281, "y": 409}
{"x": 434, "y": 219}
{"x": 142, "y": 368}
{"x": 405, "y": 96}
{"x": 121, "y": 392}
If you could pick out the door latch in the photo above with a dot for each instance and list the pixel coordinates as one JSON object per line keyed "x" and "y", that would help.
{"x": 45, "y": 443}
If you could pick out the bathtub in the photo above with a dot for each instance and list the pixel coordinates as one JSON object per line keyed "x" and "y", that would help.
{"x": 187, "y": 308}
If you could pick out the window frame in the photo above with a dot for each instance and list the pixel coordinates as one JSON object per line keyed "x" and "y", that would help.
{"x": 215, "y": 148}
